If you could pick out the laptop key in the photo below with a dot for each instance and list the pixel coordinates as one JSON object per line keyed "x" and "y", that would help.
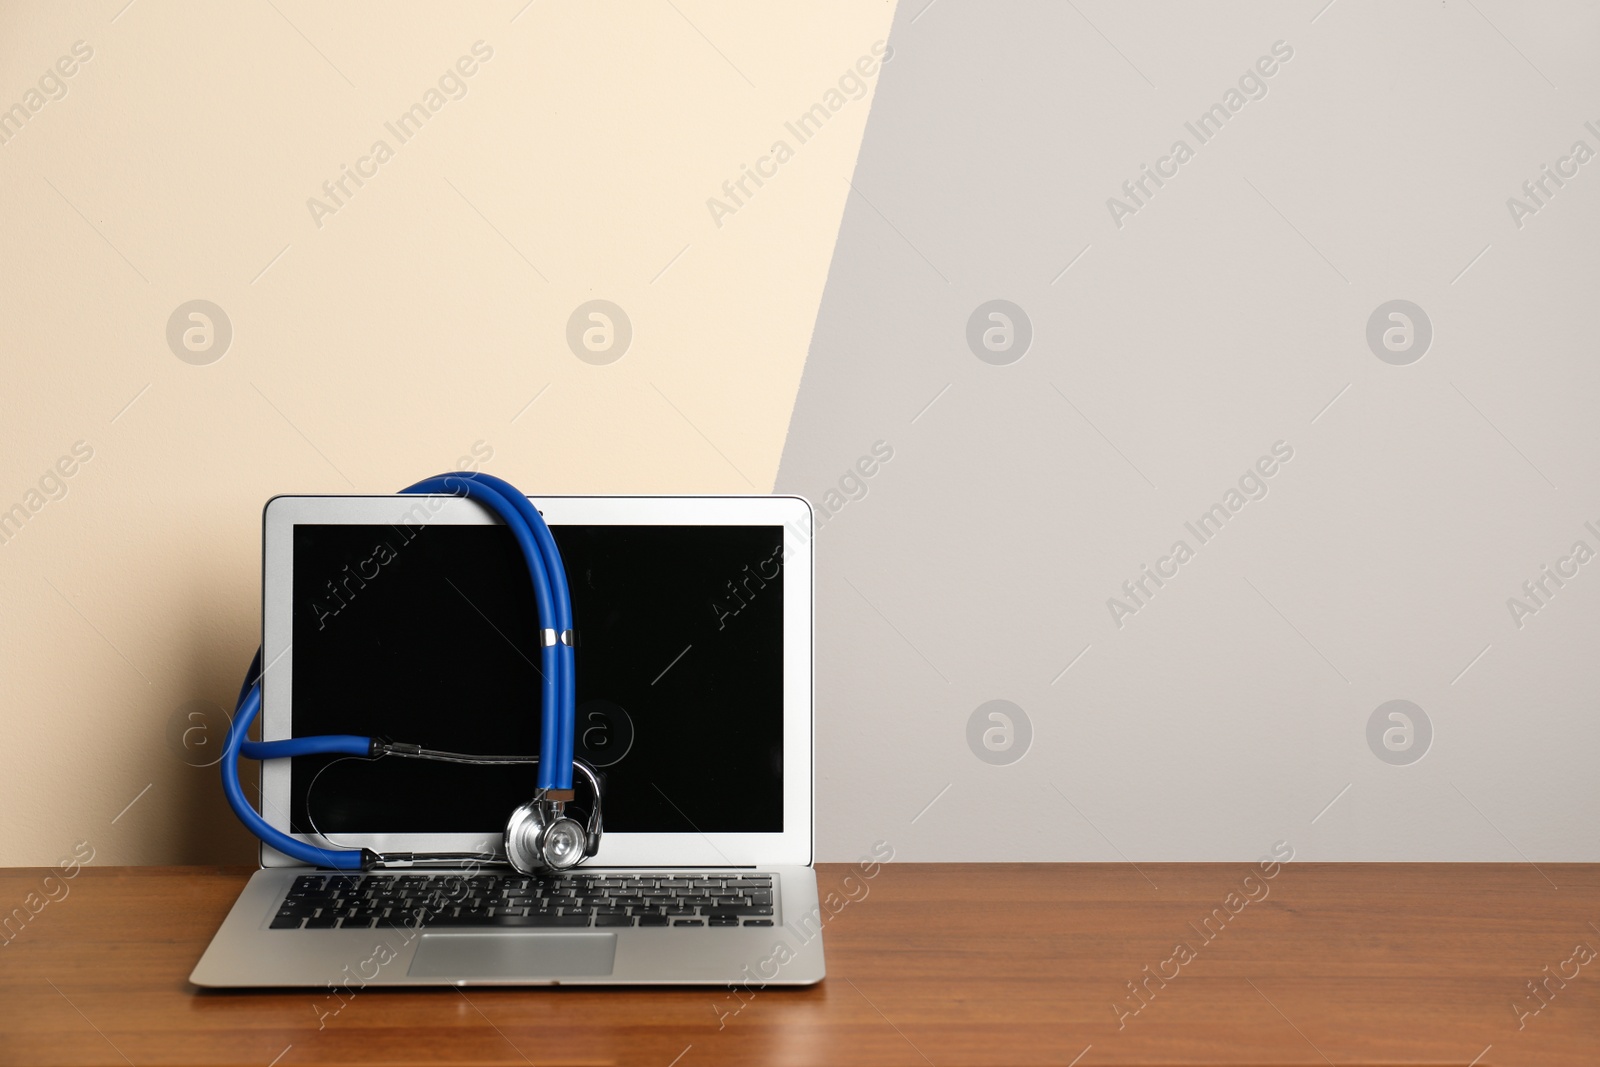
{"x": 557, "y": 920}
{"x": 722, "y": 920}
{"x": 613, "y": 920}
{"x": 758, "y": 922}
{"x": 688, "y": 922}
{"x": 501, "y": 922}
{"x": 447, "y": 917}
{"x": 653, "y": 920}
{"x": 287, "y": 922}
{"x": 739, "y": 911}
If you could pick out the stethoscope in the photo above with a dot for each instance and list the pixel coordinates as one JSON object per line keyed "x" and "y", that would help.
{"x": 539, "y": 837}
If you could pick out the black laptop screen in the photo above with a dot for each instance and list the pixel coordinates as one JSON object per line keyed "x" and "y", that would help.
{"x": 429, "y": 635}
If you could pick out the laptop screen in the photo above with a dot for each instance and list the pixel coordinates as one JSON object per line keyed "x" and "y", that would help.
{"x": 428, "y": 635}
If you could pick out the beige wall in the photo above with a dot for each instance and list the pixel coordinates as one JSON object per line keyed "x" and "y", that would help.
{"x": 379, "y": 346}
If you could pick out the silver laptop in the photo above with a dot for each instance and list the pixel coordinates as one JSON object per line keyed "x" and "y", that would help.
{"x": 410, "y": 618}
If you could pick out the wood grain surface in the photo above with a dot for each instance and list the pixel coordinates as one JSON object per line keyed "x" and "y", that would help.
{"x": 936, "y": 964}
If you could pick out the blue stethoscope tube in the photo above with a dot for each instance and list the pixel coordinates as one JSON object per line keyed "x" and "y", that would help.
{"x": 557, "y": 666}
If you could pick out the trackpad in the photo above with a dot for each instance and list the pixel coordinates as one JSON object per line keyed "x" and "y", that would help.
{"x": 513, "y": 954}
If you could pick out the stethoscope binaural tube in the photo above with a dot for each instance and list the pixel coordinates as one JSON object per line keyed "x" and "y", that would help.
{"x": 561, "y": 604}
{"x": 542, "y": 558}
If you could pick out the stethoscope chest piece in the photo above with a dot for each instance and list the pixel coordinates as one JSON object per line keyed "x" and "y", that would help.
{"x": 542, "y": 838}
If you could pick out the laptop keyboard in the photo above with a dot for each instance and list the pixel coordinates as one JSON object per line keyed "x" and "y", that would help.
{"x": 509, "y": 900}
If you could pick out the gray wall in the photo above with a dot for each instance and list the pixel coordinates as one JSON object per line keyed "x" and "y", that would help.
{"x": 1246, "y": 699}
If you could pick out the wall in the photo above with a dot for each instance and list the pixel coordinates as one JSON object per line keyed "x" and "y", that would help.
{"x": 1156, "y": 346}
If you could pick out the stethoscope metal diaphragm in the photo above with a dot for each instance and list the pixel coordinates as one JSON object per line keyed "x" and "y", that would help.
{"x": 542, "y": 838}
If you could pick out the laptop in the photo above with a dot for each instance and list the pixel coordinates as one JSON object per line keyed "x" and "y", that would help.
{"x": 412, "y": 618}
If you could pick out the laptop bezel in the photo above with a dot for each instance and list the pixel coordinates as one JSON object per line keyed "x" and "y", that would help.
{"x": 792, "y": 846}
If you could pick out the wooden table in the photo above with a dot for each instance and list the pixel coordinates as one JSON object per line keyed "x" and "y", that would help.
{"x": 937, "y": 964}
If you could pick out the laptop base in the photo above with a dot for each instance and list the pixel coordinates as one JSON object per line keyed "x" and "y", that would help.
{"x": 248, "y": 953}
